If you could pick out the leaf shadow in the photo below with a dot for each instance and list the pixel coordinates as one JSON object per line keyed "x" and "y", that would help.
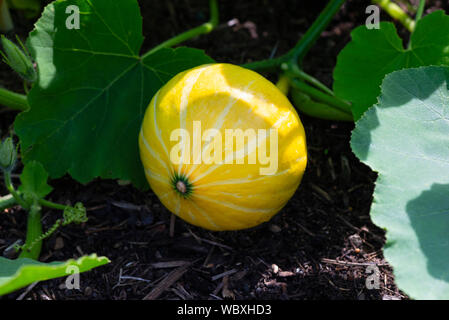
{"x": 429, "y": 217}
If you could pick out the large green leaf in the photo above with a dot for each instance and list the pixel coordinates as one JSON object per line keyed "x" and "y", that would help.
{"x": 364, "y": 62}
{"x": 15, "y": 274}
{"x": 405, "y": 137}
{"x": 92, "y": 91}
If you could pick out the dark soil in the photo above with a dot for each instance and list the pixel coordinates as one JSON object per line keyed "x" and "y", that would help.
{"x": 317, "y": 247}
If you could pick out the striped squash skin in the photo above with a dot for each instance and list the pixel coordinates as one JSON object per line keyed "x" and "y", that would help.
{"x": 223, "y": 196}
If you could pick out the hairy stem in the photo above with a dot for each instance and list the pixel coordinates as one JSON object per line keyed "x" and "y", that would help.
{"x": 202, "y": 29}
{"x": 396, "y": 13}
{"x": 7, "y": 202}
{"x": 32, "y": 248}
{"x": 13, "y": 100}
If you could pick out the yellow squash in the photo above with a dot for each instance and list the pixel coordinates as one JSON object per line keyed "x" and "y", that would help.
{"x": 222, "y": 147}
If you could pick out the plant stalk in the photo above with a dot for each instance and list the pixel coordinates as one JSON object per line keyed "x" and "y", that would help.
{"x": 294, "y": 70}
{"x": 14, "y": 193}
{"x": 420, "y": 11}
{"x": 32, "y": 248}
{"x": 7, "y": 202}
{"x": 283, "y": 84}
{"x": 396, "y": 13}
{"x": 269, "y": 65}
{"x": 304, "y": 44}
{"x": 318, "y": 95}
{"x": 202, "y": 29}
{"x": 12, "y": 100}
{"x": 51, "y": 205}
{"x": 314, "y": 32}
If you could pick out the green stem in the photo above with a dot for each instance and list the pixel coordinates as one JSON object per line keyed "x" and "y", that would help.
{"x": 14, "y": 193}
{"x": 283, "y": 84}
{"x": 318, "y": 26}
{"x": 13, "y": 100}
{"x": 202, "y": 29}
{"x": 32, "y": 248}
{"x": 396, "y": 13}
{"x": 304, "y": 44}
{"x": 269, "y": 65}
{"x": 294, "y": 70}
{"x": 52, "y": 205}
{"x": 420, "y": 10}
{"x": 7, "y": 202}
{"x": 318, "y": 95}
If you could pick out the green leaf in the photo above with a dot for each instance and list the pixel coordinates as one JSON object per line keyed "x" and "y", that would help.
{"x": 405, "y": 137}
{"x": 16, "y": 274}
{"x": 34, "y": 181}
{"x": 93, "y": 89}
{"x": 364, "y": 62}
